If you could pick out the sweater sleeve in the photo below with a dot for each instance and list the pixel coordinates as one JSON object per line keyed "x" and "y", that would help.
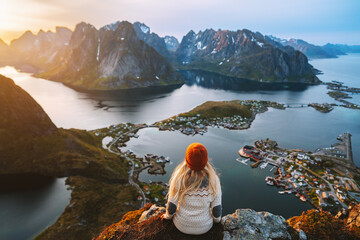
{"x": 216, "y": 207}
{"x": 171, "y": 207}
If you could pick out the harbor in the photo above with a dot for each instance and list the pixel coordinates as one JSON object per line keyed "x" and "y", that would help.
{"x": 308, "y": 175}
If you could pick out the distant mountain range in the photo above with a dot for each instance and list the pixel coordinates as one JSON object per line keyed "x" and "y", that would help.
{"x": 243, "y": 54}
{"x": 313, "y": 51}
{"x": 110, "y": 58}
{"x": 122, "y": 55}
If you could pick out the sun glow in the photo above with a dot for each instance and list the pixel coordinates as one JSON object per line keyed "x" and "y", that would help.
{"x": 3, "y": 15}
{"x": 17, "y": 16}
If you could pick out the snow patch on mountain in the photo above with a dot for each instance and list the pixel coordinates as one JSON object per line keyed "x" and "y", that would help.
{"x": 144, "y": 29}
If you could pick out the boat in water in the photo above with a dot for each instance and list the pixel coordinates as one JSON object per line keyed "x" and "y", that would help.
{"x": 264, "y": 165}
{"x": 242, "y": 160}
{"x": 269, "y": 181}
{"x": 302, "y": 198}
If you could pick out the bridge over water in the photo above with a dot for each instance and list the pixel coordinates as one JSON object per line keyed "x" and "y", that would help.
{"x": 296, "y": 105}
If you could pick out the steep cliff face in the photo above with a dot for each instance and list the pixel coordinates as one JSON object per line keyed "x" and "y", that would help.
{"x": 243, "y": 54}
{"x": 245, "y": 224}
{"x": 108, "y": 59}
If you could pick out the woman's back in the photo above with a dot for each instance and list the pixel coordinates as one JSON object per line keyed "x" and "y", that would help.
{"x": 194, "y": 197}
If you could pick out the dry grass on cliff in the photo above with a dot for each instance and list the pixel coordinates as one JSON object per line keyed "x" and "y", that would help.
{"x": 321, "y": 225}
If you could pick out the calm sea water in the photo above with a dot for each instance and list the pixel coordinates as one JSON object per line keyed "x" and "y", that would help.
{"x": 243, "y": 187}
{"x": 25, "y": 214}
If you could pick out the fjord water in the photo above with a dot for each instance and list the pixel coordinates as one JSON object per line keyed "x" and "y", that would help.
{"x": 24, "y": 214}
{"x": 243, "y": 187}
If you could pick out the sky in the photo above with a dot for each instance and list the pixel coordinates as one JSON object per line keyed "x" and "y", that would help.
{"x": 315, "y": 21}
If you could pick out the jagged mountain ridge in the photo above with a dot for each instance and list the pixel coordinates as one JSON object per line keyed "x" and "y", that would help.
{"x": 243, "y": 54}
{"x": 310, "y": 50}
{"x": 41, "y": 50}
{"x": 163, "y": 45}
{"x": 151, "y": 38}
{"x": 313, "y": 51}
{"x": 80, "y": 61}
{"x": 108, "y": 59}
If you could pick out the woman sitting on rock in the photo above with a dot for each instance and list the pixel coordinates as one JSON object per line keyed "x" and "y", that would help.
{"x": 194, "y": 197}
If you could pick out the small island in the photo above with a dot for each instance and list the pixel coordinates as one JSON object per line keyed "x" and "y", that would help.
{"x": 322, "y": 107}
{"x": 340, "y": 93}
{"x": 235, "y": 115}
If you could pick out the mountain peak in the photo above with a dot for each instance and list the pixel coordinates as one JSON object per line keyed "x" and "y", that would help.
{"x": 190, "y": 33}
{"x": 144, "y": 28}
{"x": 154, "y": 40}
{"x": 111, "y": 26}
{"x": 83, "y": 26}
{"x": 61, "y": 29}
{"x": 171, "y": 43}
{"x": 241, "y": 54}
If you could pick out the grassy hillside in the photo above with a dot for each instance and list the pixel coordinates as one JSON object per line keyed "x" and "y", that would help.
{"x": 213, "y": 109}
{"x": 31, "y": 146}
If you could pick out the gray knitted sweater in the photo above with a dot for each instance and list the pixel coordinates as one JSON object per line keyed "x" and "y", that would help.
{"x": 197, "y": 212}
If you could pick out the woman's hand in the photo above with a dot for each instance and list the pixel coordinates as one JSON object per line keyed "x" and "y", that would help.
{"x": 163, "y": 217}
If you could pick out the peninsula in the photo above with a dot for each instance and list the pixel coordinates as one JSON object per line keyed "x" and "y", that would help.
{"x": 327, "y": 178}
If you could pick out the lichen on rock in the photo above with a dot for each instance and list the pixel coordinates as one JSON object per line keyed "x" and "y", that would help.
{"x": 249, "y": 224}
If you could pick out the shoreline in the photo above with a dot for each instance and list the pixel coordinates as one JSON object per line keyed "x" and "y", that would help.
{"x": 294, "y": 173}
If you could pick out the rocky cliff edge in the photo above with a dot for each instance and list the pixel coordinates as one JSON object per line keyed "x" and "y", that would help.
{"x": 146, "y": 224}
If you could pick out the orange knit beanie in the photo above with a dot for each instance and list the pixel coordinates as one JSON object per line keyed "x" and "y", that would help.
{"x": 196, "y": 156}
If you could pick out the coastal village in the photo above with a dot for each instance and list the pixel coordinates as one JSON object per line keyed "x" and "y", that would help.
{"x": 237, "y": 115}
{"x": 326, "y": 178}
{"x": 114, "y": 138}
{"x": 197, "y": 120}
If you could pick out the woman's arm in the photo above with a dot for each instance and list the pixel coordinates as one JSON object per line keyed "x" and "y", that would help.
{"x": 171, "y": 207}
{"x": 216, "y": 207}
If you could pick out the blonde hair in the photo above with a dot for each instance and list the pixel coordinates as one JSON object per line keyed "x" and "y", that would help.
{"x": 184, "y": 180}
